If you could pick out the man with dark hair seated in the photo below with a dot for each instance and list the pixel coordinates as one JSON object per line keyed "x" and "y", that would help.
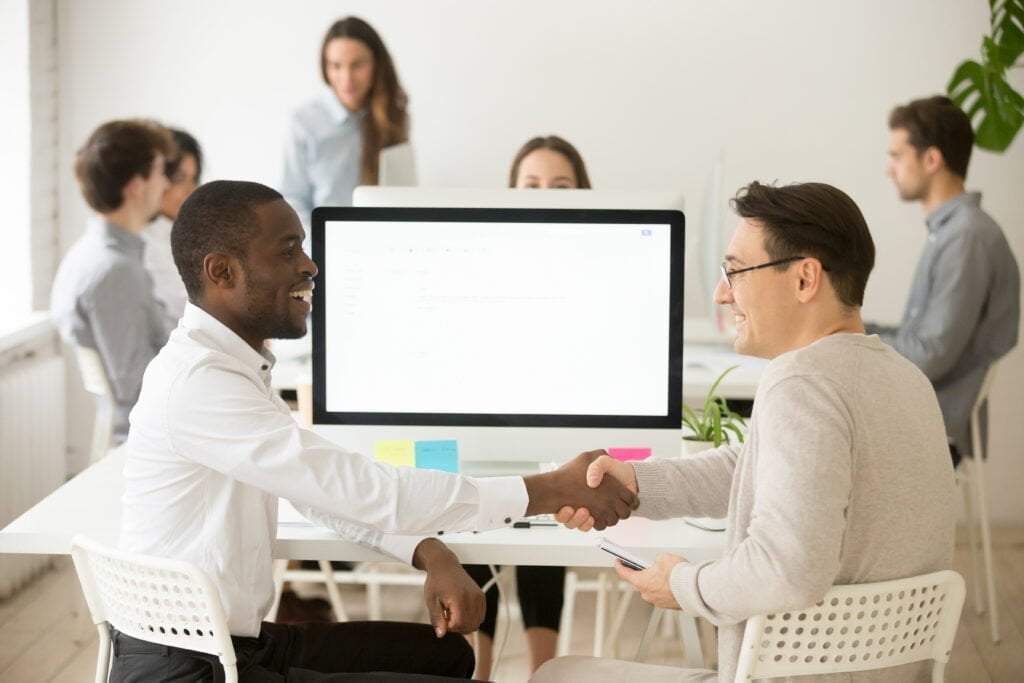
{"x": 212, "y": 447}
{"x": 963, "y": 310}
{"x": 102, "y": 296}
{"x": 830, "y": 487}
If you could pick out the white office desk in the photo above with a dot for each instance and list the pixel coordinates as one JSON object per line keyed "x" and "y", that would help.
{"x": 90, "y": 504}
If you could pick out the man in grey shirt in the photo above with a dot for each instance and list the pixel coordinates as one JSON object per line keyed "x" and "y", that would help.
{"x": 102, "y": 296}
{"x": 964, "y": 306}
{"x": 828, "y": 488}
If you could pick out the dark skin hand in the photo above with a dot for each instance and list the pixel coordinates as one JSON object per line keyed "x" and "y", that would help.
{"x": 454, "y": 601}
{"x": 567, "y": 486}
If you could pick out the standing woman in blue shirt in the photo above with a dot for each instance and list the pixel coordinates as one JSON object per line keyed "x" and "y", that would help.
{"x": 335, "y": 140}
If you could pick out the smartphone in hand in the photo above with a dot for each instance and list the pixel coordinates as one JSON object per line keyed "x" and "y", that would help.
{"x": 627, "y": 557}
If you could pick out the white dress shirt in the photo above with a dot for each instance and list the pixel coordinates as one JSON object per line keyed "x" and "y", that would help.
{"x": 159, "y": 261}
{"x": 211, "y": 447}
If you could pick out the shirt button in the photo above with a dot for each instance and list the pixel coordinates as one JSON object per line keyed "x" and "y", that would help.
{"x": 264, "y": 367}
{"x": 508, "y": 520}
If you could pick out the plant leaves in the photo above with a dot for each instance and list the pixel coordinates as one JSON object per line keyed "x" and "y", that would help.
{"x": 1007, "y": 20}
{"x": 996, "y": 110}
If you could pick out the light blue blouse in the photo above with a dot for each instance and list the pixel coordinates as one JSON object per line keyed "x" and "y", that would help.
{"x": 322, "y": 156}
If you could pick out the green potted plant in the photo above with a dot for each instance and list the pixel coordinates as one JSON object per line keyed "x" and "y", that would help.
{"x": 982, "y": 89}
{"x": 714, "y": 424}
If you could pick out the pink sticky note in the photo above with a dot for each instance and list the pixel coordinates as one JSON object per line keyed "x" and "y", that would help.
{"x": 625, "y": 454}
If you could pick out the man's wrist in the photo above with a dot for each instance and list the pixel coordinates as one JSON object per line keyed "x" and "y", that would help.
{"x": 430, "y": 552}
{"x": 538, "y": 490}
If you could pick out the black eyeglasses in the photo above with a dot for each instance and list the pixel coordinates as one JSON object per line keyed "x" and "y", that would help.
{"x": 727, "y": 274}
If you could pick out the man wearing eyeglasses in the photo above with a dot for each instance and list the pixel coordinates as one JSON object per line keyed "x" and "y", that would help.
{"x": 844, "y": 476}
{"x": 963, "y": 311}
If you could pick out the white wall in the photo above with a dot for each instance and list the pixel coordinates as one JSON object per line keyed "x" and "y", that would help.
{"x": 15, "y": 272}
{"x": 649, "y": 91}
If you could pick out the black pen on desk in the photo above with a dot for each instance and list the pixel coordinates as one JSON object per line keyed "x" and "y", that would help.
{"x": 526, "y": 524}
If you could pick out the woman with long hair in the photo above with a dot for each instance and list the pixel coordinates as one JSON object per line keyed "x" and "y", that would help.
{"x": 336, "y": 139}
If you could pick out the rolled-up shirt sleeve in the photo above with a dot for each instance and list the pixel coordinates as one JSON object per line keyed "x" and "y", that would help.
{"x": 232, "y": 428}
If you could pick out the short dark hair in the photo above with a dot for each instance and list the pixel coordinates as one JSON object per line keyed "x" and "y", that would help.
{"x": 555, "y": 144}
{"x": 813, "y": 219}
{"x": 186, "y": 145}
{"x": 218, "y": 218}
{"x": 937, "y": 122}
{"x": 115, "y": 153}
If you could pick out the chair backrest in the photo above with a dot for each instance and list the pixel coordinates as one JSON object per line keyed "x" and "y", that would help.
{"x": 986, "y": 385}
{"x": 162, "y": 601}
{"x": 94, "y": 379}
{"x": 856, "y": 628}
{"x": 94, "y": 376}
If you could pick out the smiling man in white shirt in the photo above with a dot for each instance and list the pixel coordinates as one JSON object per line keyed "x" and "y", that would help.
{"x": 212, "y": 447}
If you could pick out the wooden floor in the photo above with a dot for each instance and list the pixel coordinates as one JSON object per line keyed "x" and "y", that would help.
{"x": 44, "y": 635}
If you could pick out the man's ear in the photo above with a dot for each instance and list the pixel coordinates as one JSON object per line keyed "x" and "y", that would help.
{"x": 809, "y": 279}
{"x": 133, "y": 188}
{"x": 932, "y": 160}
{"x": 221, "y": 271}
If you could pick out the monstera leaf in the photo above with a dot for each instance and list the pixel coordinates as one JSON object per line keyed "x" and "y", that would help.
{"x": 981, "y": 89}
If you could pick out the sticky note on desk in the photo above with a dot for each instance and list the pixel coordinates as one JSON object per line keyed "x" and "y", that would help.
{"x": 438, "y": 455}
{"x": 624, "y": 454}
{"x": 401, "y": 453}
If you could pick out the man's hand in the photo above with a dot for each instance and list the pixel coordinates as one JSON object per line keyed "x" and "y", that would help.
{"x": 454, "y": 601}
{"x": 581, "y": 518}
{"x": 606, "y": 501}
{"x": 653, "y": 582}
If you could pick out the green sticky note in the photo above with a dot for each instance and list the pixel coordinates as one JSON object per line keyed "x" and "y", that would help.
{"x": 399, "y": 453}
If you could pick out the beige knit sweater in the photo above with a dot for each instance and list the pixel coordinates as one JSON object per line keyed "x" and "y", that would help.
{"x": 845, "y": 478}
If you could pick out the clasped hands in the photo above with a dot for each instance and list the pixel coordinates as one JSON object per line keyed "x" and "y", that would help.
{"x": 652, "y": 583}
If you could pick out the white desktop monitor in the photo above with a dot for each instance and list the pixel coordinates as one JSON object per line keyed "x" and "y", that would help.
{"x": 524, "y": 335}
{"x": 512, "y": 198}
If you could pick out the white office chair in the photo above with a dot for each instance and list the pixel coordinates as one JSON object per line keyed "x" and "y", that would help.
{"x": 154, "y": 599}
{"x": 971, "y": 475}
{"x": 94, "y": 379}
{"x": 858, "y": 628}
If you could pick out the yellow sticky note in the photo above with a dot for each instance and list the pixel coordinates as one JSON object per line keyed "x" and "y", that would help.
{"x": 401, "y": 453}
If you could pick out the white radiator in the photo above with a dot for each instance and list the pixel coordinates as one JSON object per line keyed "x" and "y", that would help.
{"x": 32, "y": 435}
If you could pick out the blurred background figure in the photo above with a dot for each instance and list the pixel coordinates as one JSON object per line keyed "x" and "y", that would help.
{"x": 335, "y": 140}
{"x": 183, "y": 172}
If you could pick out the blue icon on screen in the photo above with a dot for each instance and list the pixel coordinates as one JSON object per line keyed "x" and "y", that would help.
{"x": 645, "y": 232}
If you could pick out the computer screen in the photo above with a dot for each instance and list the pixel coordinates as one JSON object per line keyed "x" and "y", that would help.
{"x": 502, "y": 329}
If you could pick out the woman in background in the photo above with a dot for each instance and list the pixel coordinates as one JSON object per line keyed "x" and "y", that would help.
{"x": 543, "y": 163}
{"x": 335, "y": 140}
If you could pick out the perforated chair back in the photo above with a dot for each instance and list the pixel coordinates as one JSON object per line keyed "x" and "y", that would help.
{"x": 857, "y": 628}
{"x": 162, "y": 601}
{"x": 95, "y": 381}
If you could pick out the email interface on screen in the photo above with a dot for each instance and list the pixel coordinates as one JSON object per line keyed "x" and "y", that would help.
{"x": 496, "y": 318}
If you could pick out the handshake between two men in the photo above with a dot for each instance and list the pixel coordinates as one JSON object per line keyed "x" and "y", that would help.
{"x": 580, "y": 496}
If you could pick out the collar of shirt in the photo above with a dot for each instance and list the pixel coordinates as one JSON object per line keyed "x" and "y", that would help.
{"x": 117, "y": 238}
{"x": 336, "y": 110}
{"x": 224, "y": 339}
{"x": 941, "y": 215}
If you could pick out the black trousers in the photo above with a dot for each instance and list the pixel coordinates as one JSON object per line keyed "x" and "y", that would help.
{"x": 541, "y": 594}
{"x": 304, "y": 653}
